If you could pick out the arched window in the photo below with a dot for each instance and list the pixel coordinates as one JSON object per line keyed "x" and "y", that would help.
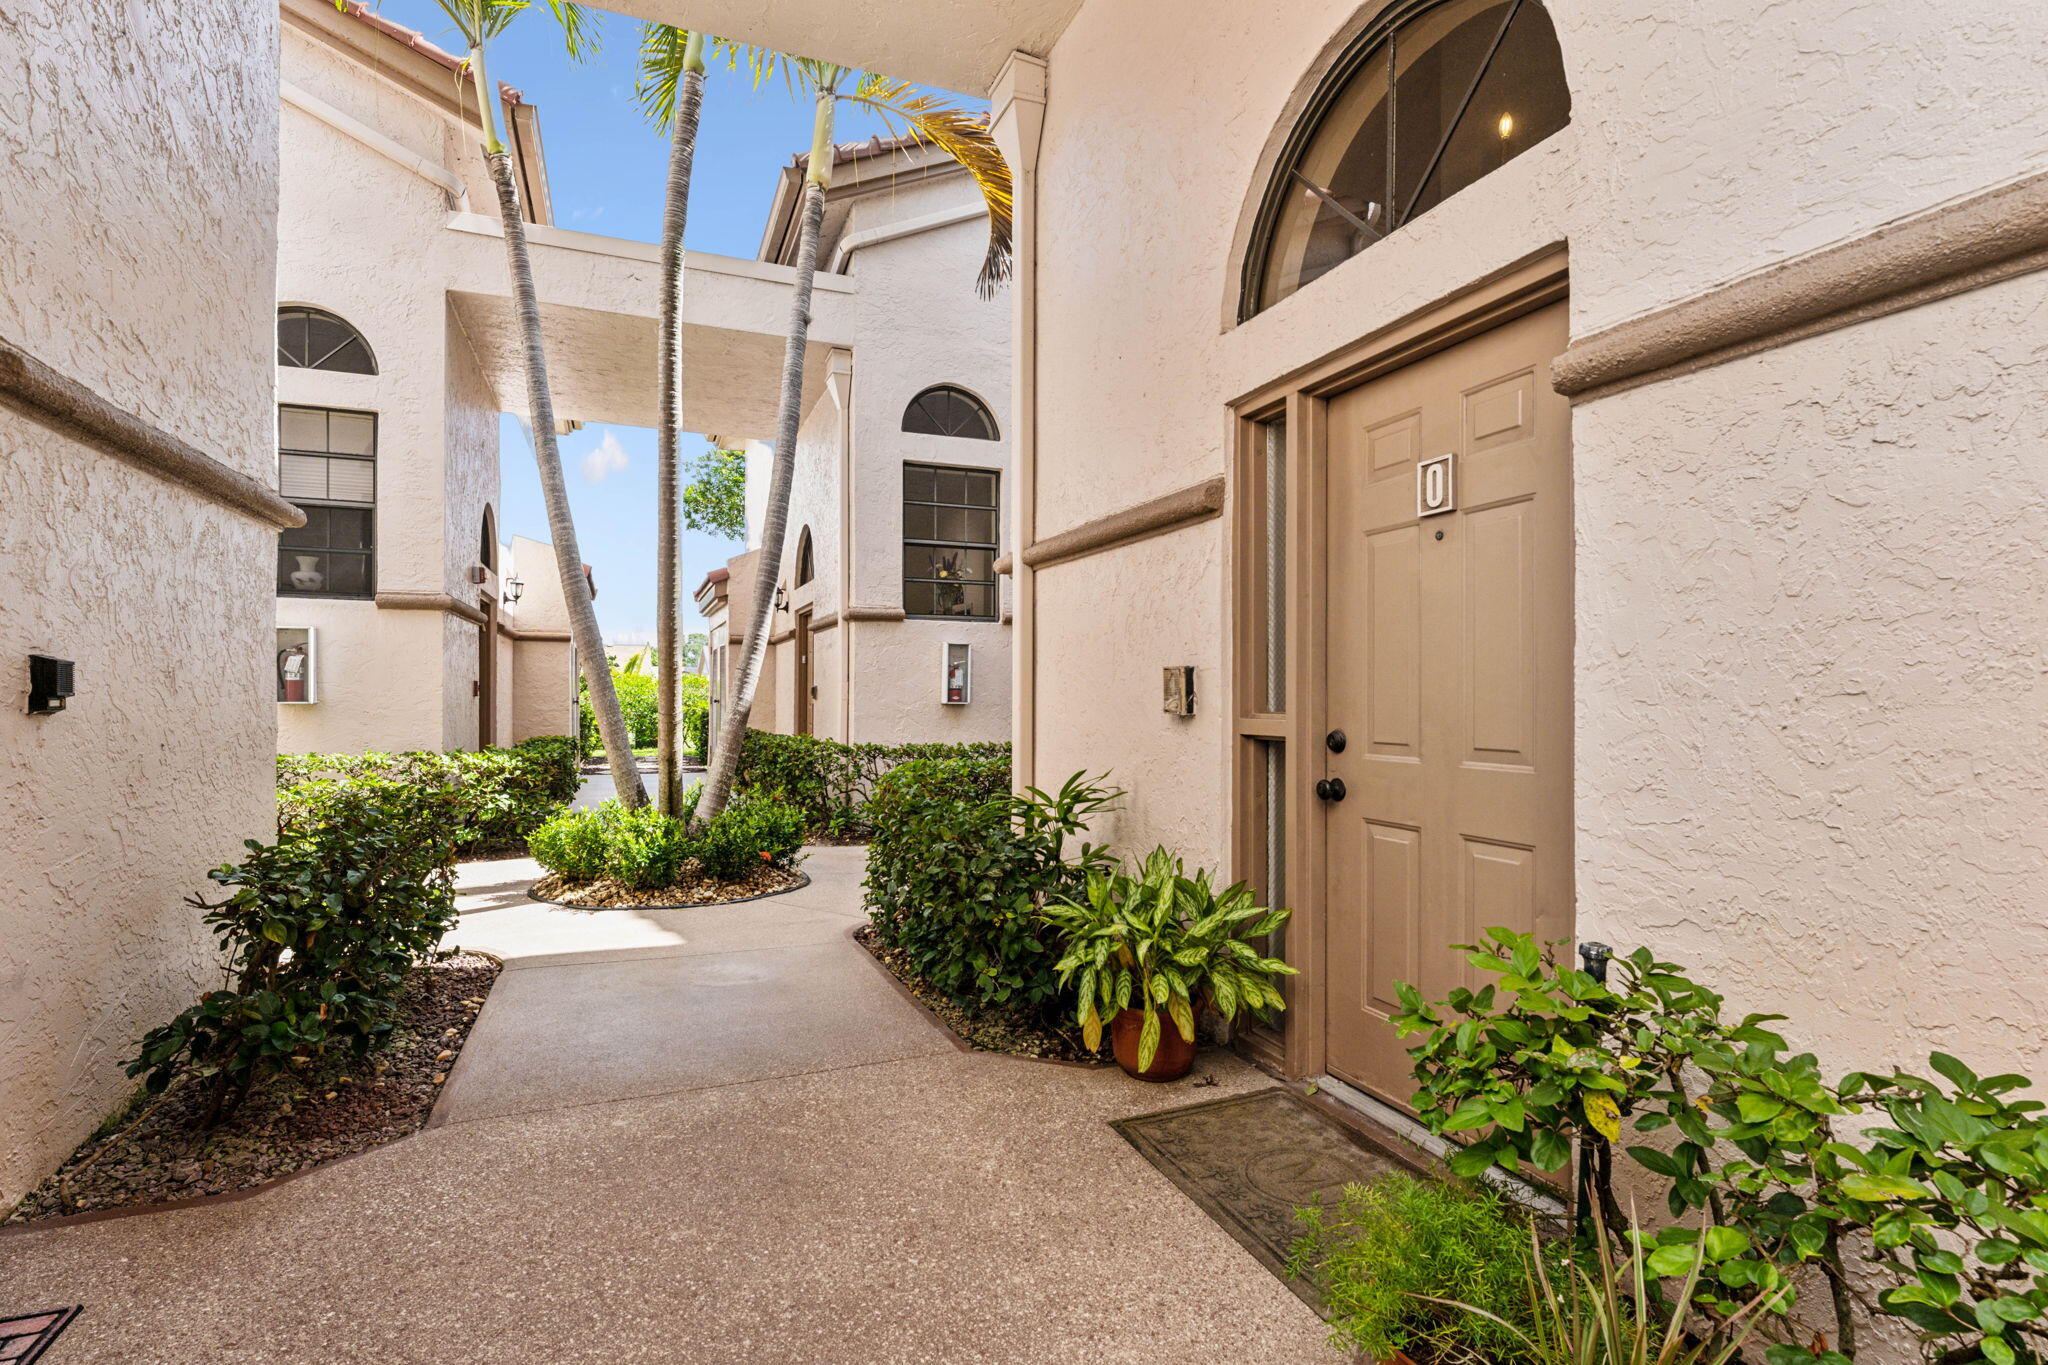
{"x": 1432, "y": 97}
{"x": 308, "y": 339}
{"x": 943, "y": 410}
{"x": 488, "y": 554}
{"x": 806, "y": 565}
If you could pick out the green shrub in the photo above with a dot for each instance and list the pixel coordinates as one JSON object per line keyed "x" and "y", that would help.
{"x": 319, "y": 932}
{"x": 959, "y": 868}
{"x": 832, "y": 783}
{"x": 751, "y": 831}
{"x": 646, "y": 849}
{"x": 1396, "y": 1238}
{"x": 499, "y": 795}
{"x": 573, "y": 844}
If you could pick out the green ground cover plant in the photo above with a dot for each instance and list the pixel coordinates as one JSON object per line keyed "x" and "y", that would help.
{"x": 1391, "y": 1258}
{"x": 959, "y": 868}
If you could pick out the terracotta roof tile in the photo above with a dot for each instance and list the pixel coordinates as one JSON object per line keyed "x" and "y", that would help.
{"x": 418, "y": 42}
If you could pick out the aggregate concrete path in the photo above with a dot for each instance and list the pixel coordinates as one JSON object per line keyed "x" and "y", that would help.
{"x": 711, "y": 1135}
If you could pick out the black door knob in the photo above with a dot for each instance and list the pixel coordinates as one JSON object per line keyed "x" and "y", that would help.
{"x": 1330, "y": 789}
{"x": 1336, "y": 741}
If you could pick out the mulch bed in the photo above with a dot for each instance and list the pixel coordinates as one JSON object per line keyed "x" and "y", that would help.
{"x": 606, "y": 894}
{"x": 290, "y": 1121}
{"x": 1014, "y": 1031}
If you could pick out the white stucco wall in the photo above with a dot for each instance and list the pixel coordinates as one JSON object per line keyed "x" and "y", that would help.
{"x": 137, "y": 238}
{"x": 1809, "y": 654}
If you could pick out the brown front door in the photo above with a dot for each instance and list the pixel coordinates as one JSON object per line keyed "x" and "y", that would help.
{"x": 487, "y": 677}
{"x": 806, "y": 694}
{"x": 1450, "y": 654}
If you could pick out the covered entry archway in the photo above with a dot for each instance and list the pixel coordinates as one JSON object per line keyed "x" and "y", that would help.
{"x": 1403, "y": 645}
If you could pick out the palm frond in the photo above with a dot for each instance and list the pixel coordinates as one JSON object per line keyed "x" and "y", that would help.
{"x": 661, "y": 71}
{"x": 582, "y": 31}
{"x": 964, "y": 136}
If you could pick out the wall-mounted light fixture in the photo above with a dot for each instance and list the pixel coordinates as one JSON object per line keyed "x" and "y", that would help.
{"x": 1180, "y": 690}
{"x": 515, "y": 588}
{"x": 781, "y": 598}
{"x": 49, "y": 684}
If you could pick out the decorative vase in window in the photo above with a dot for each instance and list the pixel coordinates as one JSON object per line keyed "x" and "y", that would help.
{"x": 307, "y": 577}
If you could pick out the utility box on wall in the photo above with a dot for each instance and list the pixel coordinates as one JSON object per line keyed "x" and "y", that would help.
{"x": 1180, "y": 690}
{"x": 297, "y": 655}
{"x": 957, "y": 681}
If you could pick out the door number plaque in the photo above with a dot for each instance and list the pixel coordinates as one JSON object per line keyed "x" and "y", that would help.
{"x": 1434, "y": 489}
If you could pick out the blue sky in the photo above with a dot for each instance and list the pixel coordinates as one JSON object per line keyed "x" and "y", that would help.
{"x": 607, "y": 168}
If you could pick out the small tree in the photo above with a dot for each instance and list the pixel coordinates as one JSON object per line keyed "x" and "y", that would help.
{"x": 715, "y": 492}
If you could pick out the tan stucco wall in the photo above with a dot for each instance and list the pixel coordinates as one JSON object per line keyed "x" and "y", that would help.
{"x": 1808, "y": 670}
{"x": 137, "y": 238}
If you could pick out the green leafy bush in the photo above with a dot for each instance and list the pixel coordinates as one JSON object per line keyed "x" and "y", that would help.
{"x": 319, "y": 932}
{"x": 751, "y": 831}
{"x": 959, "y": 868}
{"x": 1166, "y": 943}
{"x": 832, "y": 783}
{"x": 498, "y": 796}
{"x": 1389, "y": 1247}
{"x": 1947, "y": 1208}
{"x": 647, "y": 850}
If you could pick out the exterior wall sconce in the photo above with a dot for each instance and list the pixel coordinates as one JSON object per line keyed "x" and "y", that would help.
{"x": 781, "y": 598}
{"x": 957, "y": 679}
{"x": 515, "y": 588}
{"x": 1180, "y": 690}
{"x": 49, "y": 684}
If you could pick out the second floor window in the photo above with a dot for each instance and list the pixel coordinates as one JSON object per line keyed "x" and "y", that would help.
{"x": 327, "y": 465}
{"x": 949, "y": 542}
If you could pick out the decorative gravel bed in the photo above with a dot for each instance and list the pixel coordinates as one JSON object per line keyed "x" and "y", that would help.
{"x": 1014, "y": 1031}
{"x": 289, "y": 1122}
{"x": 610, "y": 895}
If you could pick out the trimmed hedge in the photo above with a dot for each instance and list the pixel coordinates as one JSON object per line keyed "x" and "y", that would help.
{"x": 959, "y": 867}
{"x": 832, "y": 783}
{"x": 496, "y": 796}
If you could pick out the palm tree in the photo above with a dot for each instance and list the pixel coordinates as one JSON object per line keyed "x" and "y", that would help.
{"x": 479, "y": 21}
{"x": 959, "y": 134}
{"x": 671, "y": 90}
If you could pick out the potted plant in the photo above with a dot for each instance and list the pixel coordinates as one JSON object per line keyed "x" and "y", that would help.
{"x": 1156, "y": 945}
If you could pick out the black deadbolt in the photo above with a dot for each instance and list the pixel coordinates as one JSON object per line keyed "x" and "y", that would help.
{"x": 1330, "y": 789}
{"x": 1336, "y": 741}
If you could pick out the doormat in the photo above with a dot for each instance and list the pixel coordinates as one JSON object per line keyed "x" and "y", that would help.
{"x": 1251, "y": 1160}
{"x": 24, "y": 1339}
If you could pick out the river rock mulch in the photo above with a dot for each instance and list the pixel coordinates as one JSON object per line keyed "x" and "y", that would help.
{"x": 289, "y": 1122}
{"x": 1014, "y": 1031}
{"x": 606, "y": 894}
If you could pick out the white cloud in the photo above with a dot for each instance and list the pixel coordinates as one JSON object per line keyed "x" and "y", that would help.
{"x": 606, "y": 458}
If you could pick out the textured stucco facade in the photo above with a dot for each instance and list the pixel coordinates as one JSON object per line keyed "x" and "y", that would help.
{"x": 1808, "y": 679}
{"x": 911, "y": 244}
{"x": 153, "y": 288}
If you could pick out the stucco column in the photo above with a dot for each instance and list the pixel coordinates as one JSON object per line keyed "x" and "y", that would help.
{"x": 1017, "y": 118}
{"x": 839, "y": 383}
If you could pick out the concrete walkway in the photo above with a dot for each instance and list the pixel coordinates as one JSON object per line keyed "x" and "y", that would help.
{"x": 712, "y": 1135}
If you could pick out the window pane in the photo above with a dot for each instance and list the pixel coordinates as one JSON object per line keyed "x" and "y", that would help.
{"x": 348, "y": 528}
{"x": 302, "y": 476}
{"x": 981, "y": 490}
{"x": 314, "y": 532}
{"x": 352, "y": 480}
{"x": 302, "y": 428}
{"x": 1436, "y": 59}
{"x": 352, "y": 433}
{"x": 1513, "y": 109}
{"x": 952, "y": 486}
{"x": 981, "y": 527}
{"x": 919, "y": 598}
{"x": 917, "y": 482}
{"x": 920, "y": 522}
{"x": 291, "y": 339}
{"x": 1347, "y": 158}
{"x": 350, "y": 573}
{"x": 953, "y": 524}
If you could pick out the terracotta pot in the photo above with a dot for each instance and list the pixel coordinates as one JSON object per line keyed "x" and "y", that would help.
{"x": 1173, "y": 1059}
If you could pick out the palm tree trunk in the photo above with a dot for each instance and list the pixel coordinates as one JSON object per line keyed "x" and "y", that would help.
{"x": 732, "y": 727}
{"x": 668, "y": 594}
{"x": 583, "y": 630}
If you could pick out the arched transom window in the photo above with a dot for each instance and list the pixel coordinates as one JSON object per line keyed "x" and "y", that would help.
{"x": 806, "y": 560}
{"x": 944, "y": 410}
{"x": 308, "y": 339}
{"x": 1432, "y": 97}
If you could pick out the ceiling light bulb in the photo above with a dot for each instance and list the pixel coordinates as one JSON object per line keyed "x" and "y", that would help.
{"x": 1507, "y": 126}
